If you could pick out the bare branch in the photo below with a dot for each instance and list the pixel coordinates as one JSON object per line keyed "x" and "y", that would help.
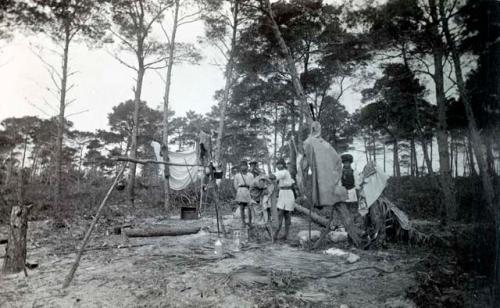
{"x": 70, "y": 102}
{"x": 124, "y": 41}
{"x": 160, "y": 67}
{"x": 54, "y": 81}
{"x": 121, "y": 61}
{"x": 166, "y": 33}
{"x": 72, "y": 73}
{"x": 160, "y": 75}
{"x": 217, "y": 64}
{"x": 154, "y": 19}
{"x": 223, "y": 53}
{"x": 49, "y": 105}
{"x": 38, "y": 108}
{"x": 195, "y": 14}
{"x": 77, "y": 113}
{"x": 49, "y": 67}
{"x": 187, "y": 22}
{"x": 152, "y": 63}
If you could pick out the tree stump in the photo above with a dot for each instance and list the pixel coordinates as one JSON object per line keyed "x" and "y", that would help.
{"x": 15, "y": 256}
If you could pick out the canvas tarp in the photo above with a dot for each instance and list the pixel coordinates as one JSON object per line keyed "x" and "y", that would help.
{"x": 326, "y": 168}
{"x": 180, "y": 176}
{"x": 373, "y": 184}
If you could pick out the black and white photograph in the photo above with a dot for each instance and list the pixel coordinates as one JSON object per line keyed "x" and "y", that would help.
{"x": 250, "y": 153}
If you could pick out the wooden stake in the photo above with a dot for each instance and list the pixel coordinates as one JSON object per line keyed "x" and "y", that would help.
{"x": 71, "y": 273}
{"x": 220, "y": 221}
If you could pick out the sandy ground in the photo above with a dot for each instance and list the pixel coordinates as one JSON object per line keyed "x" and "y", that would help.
{"x": 184, "y": 271}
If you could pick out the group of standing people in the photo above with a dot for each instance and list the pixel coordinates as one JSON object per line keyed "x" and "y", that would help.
{"x": 255, "y": 188}
{"x": 333, "y": 184}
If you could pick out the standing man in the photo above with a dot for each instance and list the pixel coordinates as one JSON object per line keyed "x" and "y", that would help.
{"x": 254, "y": 168}
{"x": 348, "y": 180}
{"x": 286, "y": 198}
{"x": 242, "y": 182}
{"x": 327, "y": 190}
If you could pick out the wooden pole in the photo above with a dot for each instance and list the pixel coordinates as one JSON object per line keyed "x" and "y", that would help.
{"x": 325, "y": 231}
{"x": 71, "y": 273}
{"x": 201, "y": 195}
{"x": 220, "y": 221}
{"x": 151, "y": 161}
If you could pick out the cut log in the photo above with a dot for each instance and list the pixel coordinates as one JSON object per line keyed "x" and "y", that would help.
{"x": 3, "y": 241}
{"x": 162, "y": 231}
{"x": 15, "y": 256}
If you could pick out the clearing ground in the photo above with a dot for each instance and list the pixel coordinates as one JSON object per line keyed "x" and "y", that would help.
{"x": 184, "y": 271}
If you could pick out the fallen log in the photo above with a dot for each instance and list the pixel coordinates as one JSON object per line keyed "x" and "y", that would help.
{"x": 346, "y": 219}
{"x": 162, "y": 231}
{"x": 321, "y": 221}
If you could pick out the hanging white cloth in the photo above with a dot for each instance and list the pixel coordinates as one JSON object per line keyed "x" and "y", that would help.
{"x": 180, "y": 176}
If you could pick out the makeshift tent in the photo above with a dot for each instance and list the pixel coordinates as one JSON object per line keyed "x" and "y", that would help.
{"x": 180, "y": 176}
{"x": 373, "y": 183}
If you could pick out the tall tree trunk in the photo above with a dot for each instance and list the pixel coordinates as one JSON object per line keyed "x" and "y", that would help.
{"x": 490, "y": 158}
{"x": 374, "y": 148}
{"x": 412, "y": 161}
{"x": 166, "y": 104}
{"x": 465, "y": 157}
{"x": 452, "y": 153}
{"x": 228, "y": 82}
{"x": 472, "y": 167}
{"x": 415, "y": 160}
{"x": 395, "y": 150}
{"x": 442, "y": 130}
{"x": 432, "y": 152}
{"x": 367, "y": 151}
{"x": 428, "y": 161}
{"x": 24, "y": 152}
{"x": 264, "y": 140}
{"x": 384, "y": 156}
{"x": 34, "y": 164}
{"x": 135, "y": 129}
{"x": 478, "y": 145}
{"x": 290, "y": 64}
{"x": 275, "y": 136}
{"x": 61, "y": 120}
{"x": 10, "y": 168}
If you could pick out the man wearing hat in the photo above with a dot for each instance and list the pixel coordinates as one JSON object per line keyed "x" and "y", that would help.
{"x": 349, "y": 182}
{"x": 242, "y": 182}
{"x": 254, "y": 168}
{"x": 326, "y": 167}
{"x": 286, "y": 198}
{"x": 348, "y": 177}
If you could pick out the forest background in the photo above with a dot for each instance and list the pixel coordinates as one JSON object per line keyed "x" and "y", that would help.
{"x": 409, "y": 84}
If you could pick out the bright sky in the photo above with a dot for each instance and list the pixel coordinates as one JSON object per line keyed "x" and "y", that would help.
{"x": 101, "y": 82}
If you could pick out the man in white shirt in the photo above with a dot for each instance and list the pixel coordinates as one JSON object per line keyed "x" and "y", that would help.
{"x": 286, "y": 198}
{"x": 242, "y": 182}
